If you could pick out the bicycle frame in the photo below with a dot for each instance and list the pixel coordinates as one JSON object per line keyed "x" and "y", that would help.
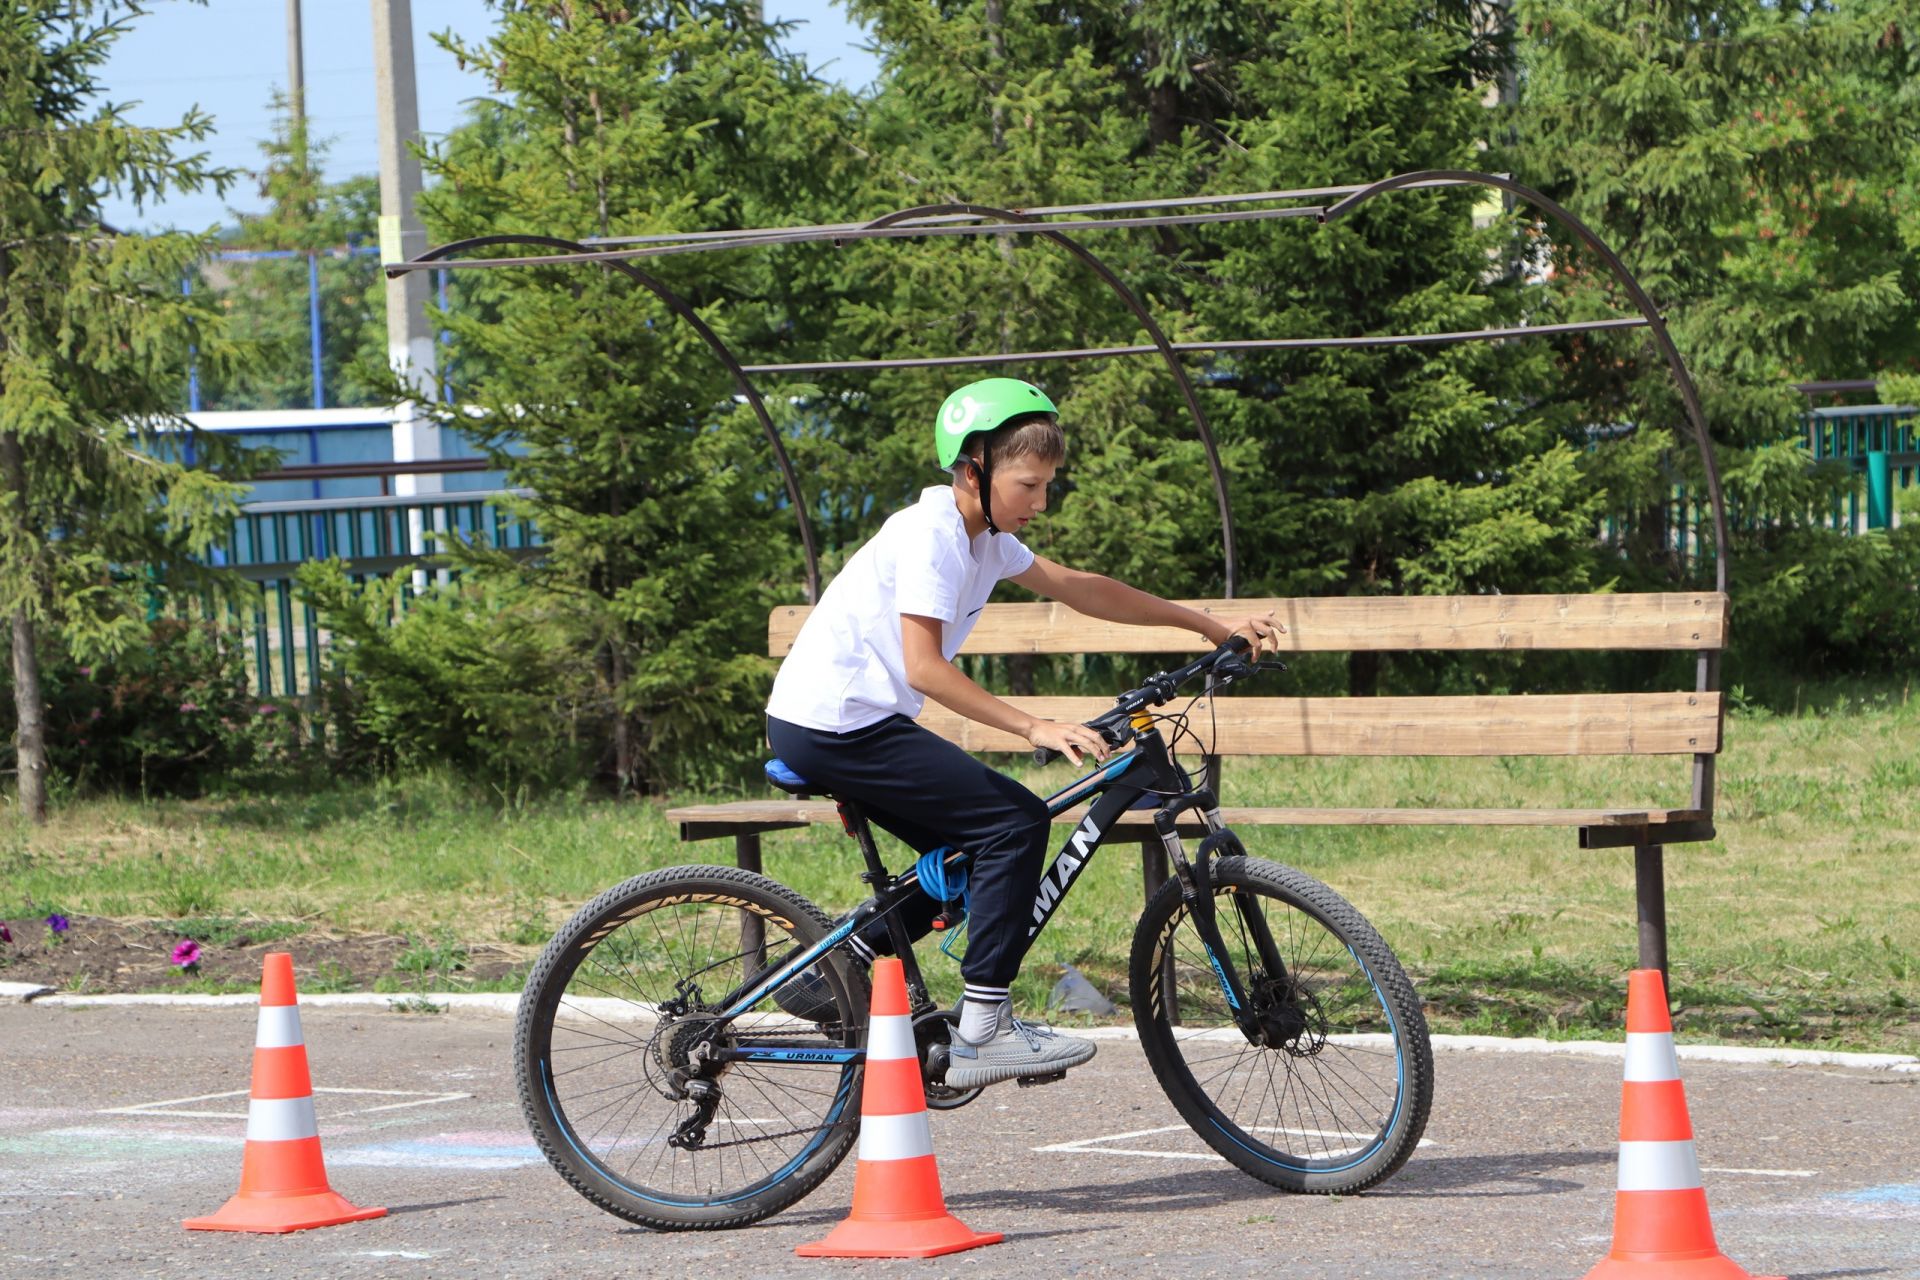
{"x": 1118, "y": 785}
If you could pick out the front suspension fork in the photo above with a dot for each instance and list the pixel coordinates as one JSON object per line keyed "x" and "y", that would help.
{"x": 1196, "y": 892}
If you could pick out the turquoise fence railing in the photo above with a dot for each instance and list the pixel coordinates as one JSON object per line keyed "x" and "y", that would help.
{"x": 1882, "y": 444}
{"x": 375, "y": 537}
{"x": 1879, "y": 444}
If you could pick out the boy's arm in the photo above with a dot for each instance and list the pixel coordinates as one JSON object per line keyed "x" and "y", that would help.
{"x": 1102, "y": 597}
{"x": 929, "y": 672}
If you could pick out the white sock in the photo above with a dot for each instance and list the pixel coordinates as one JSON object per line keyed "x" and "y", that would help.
{"x": 980, "y": 1012}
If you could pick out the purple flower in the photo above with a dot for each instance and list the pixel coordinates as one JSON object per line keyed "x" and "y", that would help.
{"x": 58, "y": 923}
{"x": 189, "y": 706}
{"x": 268, "y": 709}
{"x": 186, "y": 954}
{"x": 95, "y": 715}
{"x": 6, "y": 934}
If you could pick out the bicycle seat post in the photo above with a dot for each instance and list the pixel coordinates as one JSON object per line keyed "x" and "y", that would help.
{"x": 854, "y": 819}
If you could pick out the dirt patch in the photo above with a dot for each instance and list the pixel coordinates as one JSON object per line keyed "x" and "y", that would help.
{"x": 96, "y": 954}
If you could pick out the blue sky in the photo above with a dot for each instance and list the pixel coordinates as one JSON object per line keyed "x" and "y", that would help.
{"x": 230, "y": 56}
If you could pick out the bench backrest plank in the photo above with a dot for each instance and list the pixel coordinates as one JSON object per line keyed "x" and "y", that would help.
{"x": 1343, "y": 624}
{"x": 1583, "y": 724}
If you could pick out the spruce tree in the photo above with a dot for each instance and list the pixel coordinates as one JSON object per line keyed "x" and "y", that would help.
{"x": 1398, "y": 470}
{"x": 665, "y": 524}
{"x": 97, "y": 500}
{"x": 267, "y": 299}
{"x": 1753, "y": 166}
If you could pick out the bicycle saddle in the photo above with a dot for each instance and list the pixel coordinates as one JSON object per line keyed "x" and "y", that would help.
{"x": 787, "y": 780}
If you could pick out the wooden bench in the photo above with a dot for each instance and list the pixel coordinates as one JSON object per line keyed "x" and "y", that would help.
{"x": 1682, "y": 723}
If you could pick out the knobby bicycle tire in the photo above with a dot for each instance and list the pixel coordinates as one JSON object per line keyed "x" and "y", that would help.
{"x": 594, "y": 1051}
{"x": 1337, "y": 1098}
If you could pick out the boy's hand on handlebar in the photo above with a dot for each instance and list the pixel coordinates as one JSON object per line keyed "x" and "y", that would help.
{"x": 1262, "y": 631}
{"x": 1068, "y": 739}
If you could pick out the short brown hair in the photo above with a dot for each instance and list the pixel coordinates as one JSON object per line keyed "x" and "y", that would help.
{"x": 1032, "y": 435}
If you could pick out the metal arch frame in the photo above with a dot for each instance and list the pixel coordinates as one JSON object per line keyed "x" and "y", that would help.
{"x": 679, "y": 307}
{"x": 1656, "y": 323}
{"x": 1140, "y": 312}
{"x": 940, "y": 219}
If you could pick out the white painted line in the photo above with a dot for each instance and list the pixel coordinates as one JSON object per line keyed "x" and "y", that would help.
{"x": 166, "y": 1107}
{"x": 23, "y": 991}
{"x": 1763, "y": 1173}
{"x": 1097, "y": 1147}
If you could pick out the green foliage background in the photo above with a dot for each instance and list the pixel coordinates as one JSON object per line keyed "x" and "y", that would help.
{"x": 1757, "y": 167}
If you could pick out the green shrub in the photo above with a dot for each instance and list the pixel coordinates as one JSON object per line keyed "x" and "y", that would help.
{"x": 167, "y": 717}
{"x": 479, "y": 675}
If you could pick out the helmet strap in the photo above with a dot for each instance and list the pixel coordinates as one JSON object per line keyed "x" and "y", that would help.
{"x": 983, "y": 472}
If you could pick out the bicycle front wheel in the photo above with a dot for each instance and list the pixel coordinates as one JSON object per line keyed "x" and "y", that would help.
{"x": 650, "y": 1091}
{"x": 1332, "y": 1094}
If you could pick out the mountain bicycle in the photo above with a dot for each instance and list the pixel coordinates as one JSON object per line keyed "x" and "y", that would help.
{"x": 663, "y": 1080}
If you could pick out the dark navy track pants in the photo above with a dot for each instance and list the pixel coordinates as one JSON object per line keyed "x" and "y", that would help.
{"x": 928, "y": 792}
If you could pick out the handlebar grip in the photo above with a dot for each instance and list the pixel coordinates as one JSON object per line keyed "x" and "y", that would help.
{"x": 1042, "y": 755}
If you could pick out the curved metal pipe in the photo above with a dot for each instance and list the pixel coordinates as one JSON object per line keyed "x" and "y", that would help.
{"x": 680, "y": 308}
{"x": 1656, "y": 324}
{"x": 1140, "y": 313}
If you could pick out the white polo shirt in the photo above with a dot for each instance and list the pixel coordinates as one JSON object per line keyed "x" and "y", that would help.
{"x": 846, "y": 669}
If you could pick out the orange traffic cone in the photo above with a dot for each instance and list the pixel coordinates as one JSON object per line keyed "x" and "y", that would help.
{"x": 898, "y": 1210}
{"x": 283, "y": 1180}
{"x": 1660, "y": 1226}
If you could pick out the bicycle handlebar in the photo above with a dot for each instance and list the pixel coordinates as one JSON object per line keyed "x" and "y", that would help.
{"x": 1161, "y": 687}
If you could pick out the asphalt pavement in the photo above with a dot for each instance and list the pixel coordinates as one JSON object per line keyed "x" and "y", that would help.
{"x": 118, "y": 1122}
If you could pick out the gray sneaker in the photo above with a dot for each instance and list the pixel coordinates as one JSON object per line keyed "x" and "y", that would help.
{"x": 1015, "y": 1051}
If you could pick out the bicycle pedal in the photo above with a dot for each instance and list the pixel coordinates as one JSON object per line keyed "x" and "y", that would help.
{"x": 1027, "y": 1082}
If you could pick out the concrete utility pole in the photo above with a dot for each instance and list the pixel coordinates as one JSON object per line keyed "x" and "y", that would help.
{"x": 296, "y": 82}
{"x": 409, "y": 337}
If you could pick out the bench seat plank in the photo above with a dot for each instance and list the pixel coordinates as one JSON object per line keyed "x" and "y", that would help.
{"x": 701, "y": 822}
{"x": 1343, "y": 624}
{"x": 1583, "y": 724}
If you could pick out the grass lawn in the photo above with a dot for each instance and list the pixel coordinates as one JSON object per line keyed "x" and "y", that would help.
{"x": 1799, "y": 924}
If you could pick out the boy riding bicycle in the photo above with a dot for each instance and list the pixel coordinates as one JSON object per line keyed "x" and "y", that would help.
{"x": 882, "y": 640}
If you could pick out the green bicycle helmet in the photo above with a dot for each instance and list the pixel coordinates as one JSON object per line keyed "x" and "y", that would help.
{"x": 983, "y": 406}
{"x": 979, "y": 407}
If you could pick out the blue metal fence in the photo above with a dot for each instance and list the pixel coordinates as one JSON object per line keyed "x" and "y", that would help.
{"x": 375, "y": 537}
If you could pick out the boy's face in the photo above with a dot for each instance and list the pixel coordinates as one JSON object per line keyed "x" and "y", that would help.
{"x": 1020, "y": 491}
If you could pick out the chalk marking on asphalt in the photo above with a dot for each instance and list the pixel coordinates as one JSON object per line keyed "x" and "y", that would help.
{"x": 166, "y": 1106}
{"x": 1088, "y": 1147}
{"x": 1762, "y": 1173}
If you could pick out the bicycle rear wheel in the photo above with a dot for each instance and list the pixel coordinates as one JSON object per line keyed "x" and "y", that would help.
{"x": 626, "y": 1063}
{"x": 1335, "y": 1095}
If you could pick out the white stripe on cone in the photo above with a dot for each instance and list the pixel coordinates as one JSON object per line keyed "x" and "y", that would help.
{"x": 895, "y": 1137}
{"x": 279, "y": 1027}
{"x": 1658, "y": 1166}
{"x": 1650, "y": 1056}
{"x": 280, "y": 1119}
{"x": 890, "y": 1038}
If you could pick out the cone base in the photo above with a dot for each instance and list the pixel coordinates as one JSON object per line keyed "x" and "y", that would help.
{"x": 1655, "y": 1266}
{"x": 280, "y": 1214}
{"x": 898, "y": 1238}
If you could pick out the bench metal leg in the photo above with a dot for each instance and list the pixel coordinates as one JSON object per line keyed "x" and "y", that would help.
{"x": 1154, "y": 872}
{"x": 753, "y": 938}
{"x": 1650, "y": 896}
